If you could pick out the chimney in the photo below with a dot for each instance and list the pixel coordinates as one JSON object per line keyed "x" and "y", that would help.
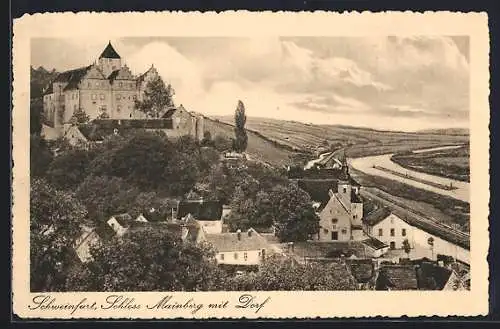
{"x": 250, "y": 233}
{"x": 239, "y": 234}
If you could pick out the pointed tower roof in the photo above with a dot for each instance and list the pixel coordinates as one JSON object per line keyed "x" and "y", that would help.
{"x": 109, "y": 52}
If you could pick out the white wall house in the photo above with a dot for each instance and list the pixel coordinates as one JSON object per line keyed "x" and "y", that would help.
{"x": 239, "y": 248}
{"x": 391, "y": 230}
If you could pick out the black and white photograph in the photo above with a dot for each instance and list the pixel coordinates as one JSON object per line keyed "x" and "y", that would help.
{"x": 249, "y": 163}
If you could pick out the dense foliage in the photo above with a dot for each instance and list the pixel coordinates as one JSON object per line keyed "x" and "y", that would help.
{"x": 283, "y": 273}
{"x": 164, "y": 263}
{"x": 55, "y": 219}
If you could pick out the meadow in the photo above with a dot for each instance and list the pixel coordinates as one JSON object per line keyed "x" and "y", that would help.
{"x": 451, "y": 163}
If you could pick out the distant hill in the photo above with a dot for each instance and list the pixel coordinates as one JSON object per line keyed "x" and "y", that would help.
{"x": 357, "y": 141}
{"x": 447, "y": 131}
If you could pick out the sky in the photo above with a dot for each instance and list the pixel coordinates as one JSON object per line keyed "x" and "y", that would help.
{"x": 392, "y": 83}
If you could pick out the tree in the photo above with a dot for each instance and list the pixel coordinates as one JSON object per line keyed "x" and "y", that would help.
{"x": 156, "y": 98}
{"x": 406, "y": 247}
{"x": 79, "y": 117}
{"x": 281, "y": 273}
{"x": 55, "y": 219}
{"x": 106, "y": 196}
{"x": 241, "y": 138}
{"x": 40, "y": 156}
{"x": 294, "y": 217}
{"x": 150, "y": 259}
{"x": 222, "y": 143}
{"x": 36, "y": 115}
{"x": 70, "y": 168}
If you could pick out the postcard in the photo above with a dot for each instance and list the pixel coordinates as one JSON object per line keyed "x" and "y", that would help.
{"x": 250, "y": 165}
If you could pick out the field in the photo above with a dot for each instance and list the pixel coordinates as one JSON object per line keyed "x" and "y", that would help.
{"x": 359, "y": 141}
{"x": 452, "y": 163}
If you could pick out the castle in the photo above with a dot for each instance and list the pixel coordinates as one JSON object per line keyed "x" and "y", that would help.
{"x": 107, "y": 89}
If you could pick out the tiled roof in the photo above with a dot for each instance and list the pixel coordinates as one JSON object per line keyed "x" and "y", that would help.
{"x": 361, "y": 269}
{"x": 174, "y": 228}
{"x": 331, "y": 249}
{"x": 123, "y": 219}
{"x": 109, "y": 52}
{"x": 377, "y": 216}
{"x": 432, "y": 277}
{"x": 168, "y": 114}
{"x": 113, "y": 75}
{"x": 397, "y": 277}
{"x": 374, "y": 243}
{"x": 318, "y": 189}
{"x": 250, "y": 240}
{"x": 74, "y": 77}
{"x": 200, "y": 209}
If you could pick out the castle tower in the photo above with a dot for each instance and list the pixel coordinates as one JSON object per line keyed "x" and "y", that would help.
{"x": 109, "y": 60}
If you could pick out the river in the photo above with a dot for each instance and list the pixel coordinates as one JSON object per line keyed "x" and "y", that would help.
{"x": 366, "y": 164}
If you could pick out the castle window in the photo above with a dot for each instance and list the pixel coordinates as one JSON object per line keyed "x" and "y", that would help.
{"x": 245, "y": 256}
{"x": 392, "y": 232}
{"x": 118, "y": 108}
{"x": 235, "y": 255}
{"x": 344, "y": 190}
{"x": 74, "y": 107}
{"x": 94, "y": 96}
{"x": 102, "y": 97}
{"x": 335, "y": 220}
{"x": 403, "y": 232}
{"x": 325, "y": 231}
{"x": 221, "y": 256}
{"x": 344, "y": 231}
{"x": 88, "y": 84}
{"x": 380, "y": 232}
{"x": 120, "y": 84}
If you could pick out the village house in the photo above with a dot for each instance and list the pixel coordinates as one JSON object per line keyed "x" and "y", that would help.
{"x": 239, "y": 248}
{"x": 392, "y": 229}
{"x": 107, "y": 89}
{"x": 208, "y": 213}
{"x": 388, "y": 228}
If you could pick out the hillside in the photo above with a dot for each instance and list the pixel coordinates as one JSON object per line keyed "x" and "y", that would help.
{"x": 359, "y": 141}
{"x": 449, "y": 131}
{"x": 258, "y": 147}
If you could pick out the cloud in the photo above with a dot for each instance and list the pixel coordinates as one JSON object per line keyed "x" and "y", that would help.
{"x": 378, "y": 82}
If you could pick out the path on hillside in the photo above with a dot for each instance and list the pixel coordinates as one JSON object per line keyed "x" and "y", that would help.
{"x": 366, "y": 165}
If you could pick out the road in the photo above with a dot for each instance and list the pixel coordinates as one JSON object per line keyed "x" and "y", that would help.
{"x": 418, "y": 219}
{"x": 366, "y": 164}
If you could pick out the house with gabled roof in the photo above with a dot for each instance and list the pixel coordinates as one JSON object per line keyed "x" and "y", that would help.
{"x": 239, "y": 248}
